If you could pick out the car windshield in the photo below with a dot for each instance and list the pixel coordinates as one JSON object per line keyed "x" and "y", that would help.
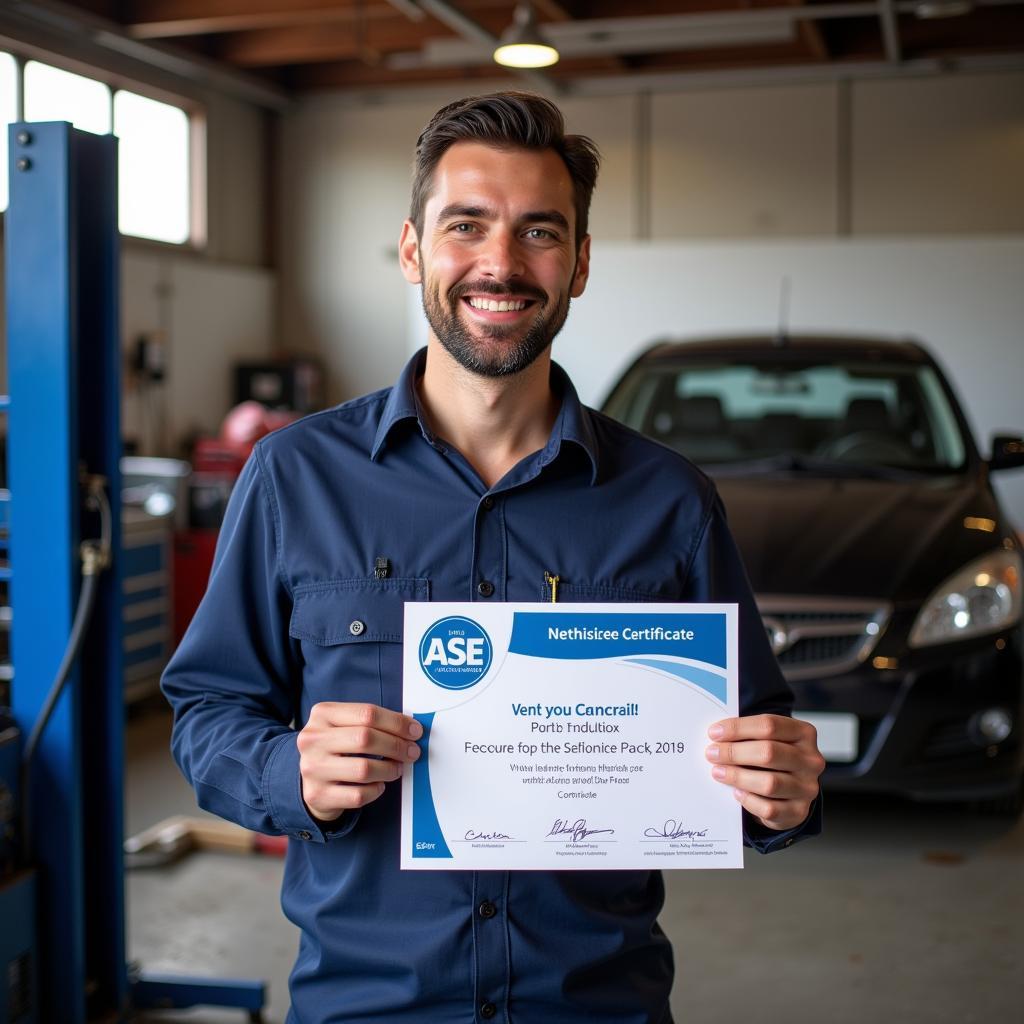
{"x": 807, "y": 415}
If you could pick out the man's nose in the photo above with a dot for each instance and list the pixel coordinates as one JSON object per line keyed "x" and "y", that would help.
{"x": 501, "y": 257}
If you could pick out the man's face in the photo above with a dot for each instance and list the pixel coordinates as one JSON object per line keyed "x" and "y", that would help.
{"x": 497, "y": 259}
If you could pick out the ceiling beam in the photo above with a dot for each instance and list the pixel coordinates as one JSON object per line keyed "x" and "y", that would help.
{"x": 163, "y": 19}
{"x": 409, "y": 9}
{"x": 156, "y": 19}
{"x": 361, "y": 88}
{"x": 810, "y": 34}
{"x": 796, "y": 74}
{"x": 355, "y": 76}
{"x": 310, "y": 44}
{"x": 643, "y": 35}
{"x": 46, "y": 27}
{"x": 890, "y": 31}
{"x": 553, "y": 11}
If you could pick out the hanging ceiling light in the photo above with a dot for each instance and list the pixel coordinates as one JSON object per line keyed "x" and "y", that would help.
{"x": 929, "y": 9}
{"x": 521, "y": 44}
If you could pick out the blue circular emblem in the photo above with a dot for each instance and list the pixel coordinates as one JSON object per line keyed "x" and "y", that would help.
{"x": 455, "y": 653}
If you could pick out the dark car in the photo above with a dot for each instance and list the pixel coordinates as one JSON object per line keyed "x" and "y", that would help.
{"x": 887, "y": 575}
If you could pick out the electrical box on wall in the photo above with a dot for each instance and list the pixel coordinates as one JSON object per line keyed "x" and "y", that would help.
{"x": 296, "y": 384}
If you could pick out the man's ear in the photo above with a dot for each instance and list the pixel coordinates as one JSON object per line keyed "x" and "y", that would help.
{"x": 582, "y": 272}
{"x": 409, "y": 254}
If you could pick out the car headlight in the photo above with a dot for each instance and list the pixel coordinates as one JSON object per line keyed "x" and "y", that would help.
{"x": 984, "y": 596}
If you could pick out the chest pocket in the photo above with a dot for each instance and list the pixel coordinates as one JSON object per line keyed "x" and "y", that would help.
{"x": 582, "y": 593}
{"x": 350, "y": 634}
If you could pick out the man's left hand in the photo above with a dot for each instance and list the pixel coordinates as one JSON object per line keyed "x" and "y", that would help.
{"x": 772, "y": 763}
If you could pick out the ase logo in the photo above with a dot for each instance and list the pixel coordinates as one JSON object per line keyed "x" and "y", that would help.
{"x": 455, "y": 653}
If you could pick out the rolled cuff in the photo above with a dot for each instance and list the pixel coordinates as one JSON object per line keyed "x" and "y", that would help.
{"x": 282, "y": 794}
{"x": 766, "y": 840}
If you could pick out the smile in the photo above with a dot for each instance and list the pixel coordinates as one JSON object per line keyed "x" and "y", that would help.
{"x": 497, "y": 305}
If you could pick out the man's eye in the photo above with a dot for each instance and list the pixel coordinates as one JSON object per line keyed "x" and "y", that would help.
{"x": 540, "y": 233}
{"x": 463, "y": 229}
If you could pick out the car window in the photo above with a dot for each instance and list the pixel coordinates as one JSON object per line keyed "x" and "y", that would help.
{"x": 867, "y": 413}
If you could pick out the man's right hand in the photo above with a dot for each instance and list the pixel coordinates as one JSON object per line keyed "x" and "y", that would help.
{"x": 337, "y": 775}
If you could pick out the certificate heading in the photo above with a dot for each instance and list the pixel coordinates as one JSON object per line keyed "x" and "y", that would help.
{"x": 590, "y": 635}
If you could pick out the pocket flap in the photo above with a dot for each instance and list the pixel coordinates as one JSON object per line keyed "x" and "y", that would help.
{"x": 354, "y": 611}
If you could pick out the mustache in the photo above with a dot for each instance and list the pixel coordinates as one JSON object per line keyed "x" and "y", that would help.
{"x": 500, "y": 291}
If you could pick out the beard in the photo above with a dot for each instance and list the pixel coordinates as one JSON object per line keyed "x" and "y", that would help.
{"x": 492, "y": 350}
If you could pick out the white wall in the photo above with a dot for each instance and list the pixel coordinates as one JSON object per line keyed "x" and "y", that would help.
{"x": 210, "y": 315}
{"x": 864, "y": 159}
{"x": 344, "y": 194}
{"x": 938, "y": 155}
{"x": 237, "y": 181}
{"x": 745, "y": 163}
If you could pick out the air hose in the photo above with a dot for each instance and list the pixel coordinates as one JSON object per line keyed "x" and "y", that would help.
{"x": 95, "y": 557}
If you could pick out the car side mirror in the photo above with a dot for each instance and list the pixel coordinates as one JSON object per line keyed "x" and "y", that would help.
{"x": 1007, "y": 452}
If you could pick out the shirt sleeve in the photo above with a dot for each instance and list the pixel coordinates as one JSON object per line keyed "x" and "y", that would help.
{"x": 717, "y": 575}
{"x": 234, "y": 680}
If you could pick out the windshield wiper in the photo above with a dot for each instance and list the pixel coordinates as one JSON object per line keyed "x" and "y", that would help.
{"x": 790, "y": 462}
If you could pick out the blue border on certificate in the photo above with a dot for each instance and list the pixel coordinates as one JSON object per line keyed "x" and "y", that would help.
{"x": 427, "y": 837}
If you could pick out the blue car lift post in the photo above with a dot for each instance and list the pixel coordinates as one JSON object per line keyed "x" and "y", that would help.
{"x": 62, "y": 267}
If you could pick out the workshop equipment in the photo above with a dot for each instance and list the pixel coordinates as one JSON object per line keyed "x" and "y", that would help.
{"x": 17, "y": 889}
{"x": 147, "y": 594}
{"x": 176, "y": 837}
{"x": 67, "y": 695}
{"x": 63, "y": 361}
{"x": 154, "y": 507}
{"x": 290, "y": 382}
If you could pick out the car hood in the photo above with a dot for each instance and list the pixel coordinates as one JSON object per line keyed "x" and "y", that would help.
{"x": 887, "y": 539}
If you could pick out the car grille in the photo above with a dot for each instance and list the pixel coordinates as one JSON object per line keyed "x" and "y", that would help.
{"x": 950, "y": 739}
{"x": 814, "y": 637}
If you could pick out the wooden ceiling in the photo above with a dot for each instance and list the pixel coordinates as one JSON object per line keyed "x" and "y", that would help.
{"x": 304, "y": 45}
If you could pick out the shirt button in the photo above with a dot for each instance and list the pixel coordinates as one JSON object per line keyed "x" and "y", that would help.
{"x": 488, "y": 1010}
{"x": 487, "y": 910}
{"x": 488, "y": 503}
{"x": 356, "y": 627}
{"x": 305, "y": 835}
{"x": 485, "y": 588}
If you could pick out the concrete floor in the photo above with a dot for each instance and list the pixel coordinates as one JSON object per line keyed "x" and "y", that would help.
{"x": 899, "y": 913}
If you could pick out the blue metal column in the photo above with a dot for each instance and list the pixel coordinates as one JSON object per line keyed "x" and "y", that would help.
{"x": 62, "y": 275}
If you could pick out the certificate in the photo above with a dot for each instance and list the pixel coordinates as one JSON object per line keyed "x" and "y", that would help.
{"x": 568, "y": 736}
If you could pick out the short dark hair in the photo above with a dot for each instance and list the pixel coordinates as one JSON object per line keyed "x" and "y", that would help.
{"x": 506, "y": 120}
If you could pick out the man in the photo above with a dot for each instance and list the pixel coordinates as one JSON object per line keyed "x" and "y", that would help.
{"x": 479, "y": 476}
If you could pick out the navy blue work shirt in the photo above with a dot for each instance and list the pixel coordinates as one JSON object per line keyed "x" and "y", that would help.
{"x": 616, "y": 516}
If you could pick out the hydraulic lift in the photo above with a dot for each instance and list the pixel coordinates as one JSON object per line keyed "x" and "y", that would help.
{"x": 62, "y": 943}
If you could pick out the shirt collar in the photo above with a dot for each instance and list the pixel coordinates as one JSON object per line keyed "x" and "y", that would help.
{"x": 402, "y": 404}
{"x": 574, "y": 422}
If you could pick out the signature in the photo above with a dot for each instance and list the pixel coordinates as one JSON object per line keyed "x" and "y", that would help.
{"x": 577, "y": 829}
{"x": 673, "y": 830}
{"x": 473, "y": 836}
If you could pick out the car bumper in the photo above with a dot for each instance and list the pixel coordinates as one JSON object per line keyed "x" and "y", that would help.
{"x": 918, "y": 722}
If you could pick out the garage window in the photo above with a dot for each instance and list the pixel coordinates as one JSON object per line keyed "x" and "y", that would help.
{"x": 55, "y": 95}
{"x": 8, "y": 113}
{"x": 155, "y": 198}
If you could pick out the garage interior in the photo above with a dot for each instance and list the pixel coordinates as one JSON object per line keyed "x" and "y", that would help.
{"x": 767, "y": 168}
